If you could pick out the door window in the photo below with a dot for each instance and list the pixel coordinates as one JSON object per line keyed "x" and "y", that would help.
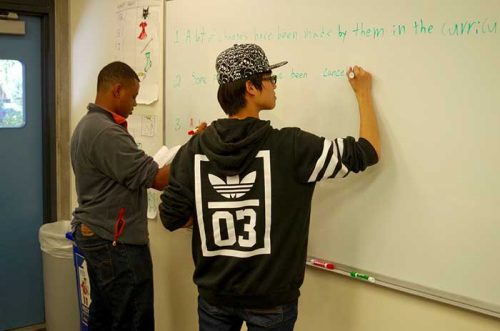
{"x": 12, "y": 114}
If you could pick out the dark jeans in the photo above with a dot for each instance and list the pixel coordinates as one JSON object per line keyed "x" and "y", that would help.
{"x": 121, "y": 284}
{"x": 221, "y": 318}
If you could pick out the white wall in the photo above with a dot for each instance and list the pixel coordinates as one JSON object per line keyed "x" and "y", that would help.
{"x": 92, "y": 32}
{"x": 91, "y": 49}
{"x": 328, "y": 301}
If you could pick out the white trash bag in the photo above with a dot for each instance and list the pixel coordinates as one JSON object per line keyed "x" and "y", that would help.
{"x": 53, "y": 241}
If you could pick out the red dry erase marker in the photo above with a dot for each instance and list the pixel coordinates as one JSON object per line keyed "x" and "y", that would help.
{"x": 322, "y": 264}
{"x": 193, "y": 132}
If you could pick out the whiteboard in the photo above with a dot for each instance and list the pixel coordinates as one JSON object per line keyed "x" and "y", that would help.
{"x": 427, "y": 216}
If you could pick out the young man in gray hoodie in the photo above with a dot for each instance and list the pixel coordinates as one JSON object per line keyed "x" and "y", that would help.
{"x": 249, "y": 187}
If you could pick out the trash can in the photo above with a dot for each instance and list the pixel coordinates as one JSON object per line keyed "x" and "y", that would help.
{"x": 61, "y": 309}
{"x": 82, "y": 284}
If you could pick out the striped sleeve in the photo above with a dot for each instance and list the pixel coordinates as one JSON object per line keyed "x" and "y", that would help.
{"x": 329, "y": 164}
{"x": 320, "y": 158}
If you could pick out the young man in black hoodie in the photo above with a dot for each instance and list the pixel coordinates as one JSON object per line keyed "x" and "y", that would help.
{"x": 249, "y": 188}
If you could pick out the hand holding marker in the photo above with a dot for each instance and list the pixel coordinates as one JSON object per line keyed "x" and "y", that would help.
{"x": 193, "y": 132}
{"x": 198, "y": 129}
{"x": 351, "y": 74}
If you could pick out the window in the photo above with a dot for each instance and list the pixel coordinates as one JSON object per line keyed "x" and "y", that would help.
{"x": 12, "y": 114}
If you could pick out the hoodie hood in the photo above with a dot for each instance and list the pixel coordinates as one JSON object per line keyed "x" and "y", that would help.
{"x": 232, "y": 143}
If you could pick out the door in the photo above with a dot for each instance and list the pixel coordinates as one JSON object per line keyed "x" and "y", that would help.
{"x": 21, "y": 176}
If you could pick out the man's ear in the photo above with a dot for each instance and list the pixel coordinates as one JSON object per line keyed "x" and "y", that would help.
{"x": 250, "y": 88}
{"x": 117, "y": 88}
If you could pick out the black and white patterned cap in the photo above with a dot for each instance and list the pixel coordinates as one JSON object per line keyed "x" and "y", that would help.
{"x": 242, "y": 61}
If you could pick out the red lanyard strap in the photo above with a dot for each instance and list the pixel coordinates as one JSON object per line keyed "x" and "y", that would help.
{"x": 119, "y": 225}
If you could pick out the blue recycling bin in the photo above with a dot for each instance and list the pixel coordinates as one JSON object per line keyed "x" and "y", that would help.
{"x": 82, "y": 284}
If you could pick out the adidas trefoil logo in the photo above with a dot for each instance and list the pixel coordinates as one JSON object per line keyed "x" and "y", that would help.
{"x": 233, "y": 188}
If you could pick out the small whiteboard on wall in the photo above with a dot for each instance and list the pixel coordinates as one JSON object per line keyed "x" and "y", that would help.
{"x": 427, "y": 217}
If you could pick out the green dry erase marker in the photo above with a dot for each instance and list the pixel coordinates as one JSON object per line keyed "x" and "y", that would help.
{"x": 362, "y": 276}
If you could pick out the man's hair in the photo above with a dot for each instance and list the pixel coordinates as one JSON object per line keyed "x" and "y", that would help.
{"x": 231, "y": 95}
{"x": 115, "y": 72}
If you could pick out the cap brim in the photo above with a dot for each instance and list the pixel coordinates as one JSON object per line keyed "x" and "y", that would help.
{"x": 277, "y": 65}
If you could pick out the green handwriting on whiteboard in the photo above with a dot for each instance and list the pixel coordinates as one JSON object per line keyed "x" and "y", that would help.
{"x": 206, "y": 79}
{"x": 469, "y": 27}
{"x": 335, "y": 31}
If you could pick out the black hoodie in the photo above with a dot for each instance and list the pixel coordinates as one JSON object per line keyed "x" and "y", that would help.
{"x": 249, "y": 187}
